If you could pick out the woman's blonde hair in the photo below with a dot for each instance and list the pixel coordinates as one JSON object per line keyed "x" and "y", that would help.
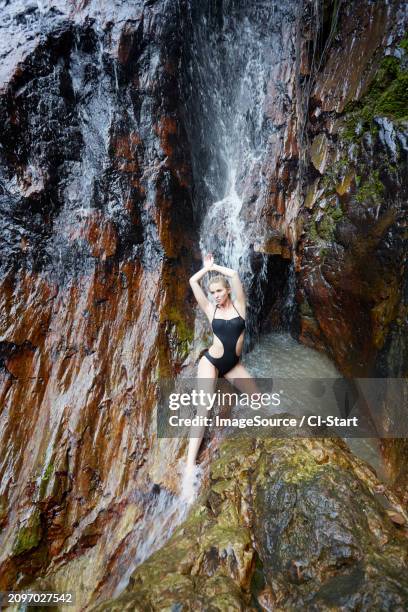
{"x": 219, "y": 279}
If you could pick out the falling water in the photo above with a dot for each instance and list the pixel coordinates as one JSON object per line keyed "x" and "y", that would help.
{"x": 289, "y": 307}
{"x": 162, "y": 515}
{"x": 234, "y": 51}
{"x": 242, "y": 58}
{"x": 95, "y": 115}
{"x": 229, "y": 243}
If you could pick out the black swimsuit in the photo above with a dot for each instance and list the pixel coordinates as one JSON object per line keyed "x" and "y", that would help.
{"x": 228, "y": 331}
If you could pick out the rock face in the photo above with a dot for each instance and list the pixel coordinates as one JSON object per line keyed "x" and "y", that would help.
{"x": 95, "y": 206}
{"x": 108, "y": 157}
{"x": 352, "y": 273}
{"x": 283, "y": 525}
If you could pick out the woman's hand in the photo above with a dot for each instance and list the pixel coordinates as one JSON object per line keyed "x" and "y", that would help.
{"x": 208, "y": 261}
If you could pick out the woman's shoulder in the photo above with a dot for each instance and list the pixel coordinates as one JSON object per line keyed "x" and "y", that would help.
{"x": 240, "y": 309}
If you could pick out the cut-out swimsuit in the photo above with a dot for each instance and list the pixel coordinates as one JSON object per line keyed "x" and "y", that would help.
{"x": 228, "y": 331}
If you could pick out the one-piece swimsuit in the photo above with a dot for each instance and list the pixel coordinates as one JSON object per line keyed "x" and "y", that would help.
{"x": 228, "y": 331}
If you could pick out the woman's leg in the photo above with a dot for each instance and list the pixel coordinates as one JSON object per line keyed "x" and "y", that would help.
{"x": 242, "y": 379}
{"x": 206, "y": 377}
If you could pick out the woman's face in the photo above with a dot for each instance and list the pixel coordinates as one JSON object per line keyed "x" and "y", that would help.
{"x": 219, "y": 293}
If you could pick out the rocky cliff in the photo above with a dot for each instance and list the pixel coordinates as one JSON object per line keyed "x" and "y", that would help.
{"x": 95, "y": 202}
{"x": 111, "y": 150}
{"x": 283, "y": 525}
{"x": 352, "y": 252}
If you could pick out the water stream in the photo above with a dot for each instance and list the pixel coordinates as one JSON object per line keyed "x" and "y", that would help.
{"x": 236, "y": 56}
{"x": 163, "y": 513}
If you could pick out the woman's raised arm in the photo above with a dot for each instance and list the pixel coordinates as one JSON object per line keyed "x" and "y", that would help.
{"x": 199, "y": 294}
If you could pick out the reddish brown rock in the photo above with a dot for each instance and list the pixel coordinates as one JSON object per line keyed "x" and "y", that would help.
{"x": 91, "y": 314}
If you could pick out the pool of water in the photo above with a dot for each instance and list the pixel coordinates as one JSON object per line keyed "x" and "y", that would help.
{"x": 279, "y": 356}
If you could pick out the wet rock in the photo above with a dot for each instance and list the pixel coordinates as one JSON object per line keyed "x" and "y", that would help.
{"x": 358, "y": 241}
{"x": 319, "y": 152}
{"x": 345, "y": 183}
{"x": 274, "y": 244}
{"x": 358, "y": 31}
{"x": 346, "y": 232}
{"x": 97, "y": 222}
{"x": 316, "y": 535}
{"x": 28, "y": 535}
{"x": 292, "y": 524}
{"x": 107, "y": 164}
{"x": 312, "y": 194}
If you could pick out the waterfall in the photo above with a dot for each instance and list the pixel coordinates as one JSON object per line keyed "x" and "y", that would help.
{"x": 236, "y": 47}
{"x": 223, "y": 231}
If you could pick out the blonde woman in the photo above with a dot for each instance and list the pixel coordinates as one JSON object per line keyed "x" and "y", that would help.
{"x": 227, "y": 319}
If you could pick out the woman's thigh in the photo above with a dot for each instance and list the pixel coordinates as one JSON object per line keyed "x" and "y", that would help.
{"x": 206, "y": 369}
{"x": 242, "y": 379}
{"x": 207, "y": 375}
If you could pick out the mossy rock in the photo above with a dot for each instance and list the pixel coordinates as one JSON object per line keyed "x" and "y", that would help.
{"x": 180, "y": 335}
{"x": 3, "y": 510}
{"x": 295, "y": 516}
{"x": 371, "y": 189}
{"x": 306, "y": 309}
{"x": 45, "y": 479}
{"x": 311, "y": 194}
{"x": 320, "y": 152}
{"x": 324, "y": 227}
{"x": 344, "y": 185}
{"x": 185, "y": 332}
{"x": 29, "y": 534}
{"x": 387, "y": 96}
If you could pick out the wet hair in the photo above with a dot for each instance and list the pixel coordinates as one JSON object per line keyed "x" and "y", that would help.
{"x": 219, "y": 279}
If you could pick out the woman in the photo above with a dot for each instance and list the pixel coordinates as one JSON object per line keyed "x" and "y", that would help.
{"x": 227, "y": 319}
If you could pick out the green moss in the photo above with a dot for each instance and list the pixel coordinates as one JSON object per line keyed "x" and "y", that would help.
{"x": 175, "y": 343}
{"x": 45, "y": 479}
{"x": 336, "y": 214}
{"x": 323, "y": 252}
{"x": 185, "y": 333}
{"x": 335, "y": 175}
{"x": 325, "y": 227}
{"x": 306, "y": 309}
{"x": 393, "y": 102}
{"x": 231, "y": 451}
{"x": 182, "y": 332}
{"x": 29, "y": 535}
{"x": 372, "y": 189}
{"x": 301, "y": 467}
{"x": 313, "y": 235}
{"x": 387, "y": 96}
